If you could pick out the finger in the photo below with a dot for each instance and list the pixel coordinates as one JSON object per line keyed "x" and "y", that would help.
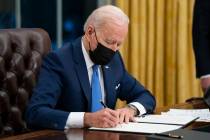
{"x": 132, "y": 119}
{"x": 127, "y": 117}
{"x": 122, "y": 117}
{"x": 108, "y": 123}
{"x": 114, "y": 113}
{"x": 108, "y": 114}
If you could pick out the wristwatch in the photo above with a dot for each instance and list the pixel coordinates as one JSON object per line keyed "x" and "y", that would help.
{"x": 136, "y": 111}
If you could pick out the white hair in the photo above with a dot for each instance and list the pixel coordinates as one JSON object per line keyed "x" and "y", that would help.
{"x": 105, "y": 14}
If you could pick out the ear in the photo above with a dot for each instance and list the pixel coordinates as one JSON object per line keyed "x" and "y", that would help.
{"x": 89, "y": 32}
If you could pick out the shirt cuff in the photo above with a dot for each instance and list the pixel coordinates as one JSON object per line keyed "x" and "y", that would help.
{"x": 205, "y": 76}
{"x": 140, "y": 107}
{"x": 75, "y": 120}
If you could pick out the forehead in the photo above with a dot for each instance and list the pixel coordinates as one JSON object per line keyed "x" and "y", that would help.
{"x": 114, "y": 31}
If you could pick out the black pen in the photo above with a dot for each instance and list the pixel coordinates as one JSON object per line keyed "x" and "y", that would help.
{"x": 170, "y": 135}
{"x": 103, "y": 104}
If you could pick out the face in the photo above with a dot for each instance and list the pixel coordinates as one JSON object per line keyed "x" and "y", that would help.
{"x": 110, "y": 36}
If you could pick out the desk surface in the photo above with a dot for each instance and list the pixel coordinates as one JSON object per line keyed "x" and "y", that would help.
{"x": 84, "y": 134}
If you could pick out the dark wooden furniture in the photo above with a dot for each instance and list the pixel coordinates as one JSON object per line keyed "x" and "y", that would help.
{"x": 101, "y": 135}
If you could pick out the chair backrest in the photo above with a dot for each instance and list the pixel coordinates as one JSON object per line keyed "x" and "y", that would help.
{"x": 21, "y": 53}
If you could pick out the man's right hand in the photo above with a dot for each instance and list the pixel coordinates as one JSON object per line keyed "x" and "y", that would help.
{"x": 205, "y": 83}
{"x": 102, "y": 118}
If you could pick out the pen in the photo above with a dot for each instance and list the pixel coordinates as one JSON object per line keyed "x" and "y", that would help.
{"x": 103, "y": 104}
{"x": 170, "y": 135}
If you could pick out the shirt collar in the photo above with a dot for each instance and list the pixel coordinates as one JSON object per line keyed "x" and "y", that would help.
{"x": 88, "y": 61}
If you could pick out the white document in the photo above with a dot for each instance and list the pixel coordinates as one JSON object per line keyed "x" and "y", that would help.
{"x": 202, "y": 114}
{"x": 140, "y": 128}
{"x": 165, "y": 119}
{"x": 152, "y": 124}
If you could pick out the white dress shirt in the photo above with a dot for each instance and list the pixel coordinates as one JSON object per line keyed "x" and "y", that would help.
{"x": 76, "y": 119}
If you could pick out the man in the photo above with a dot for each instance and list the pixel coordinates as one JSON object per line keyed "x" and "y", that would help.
{"x": 201, "y": 41}
{"x": 76, "y": 79}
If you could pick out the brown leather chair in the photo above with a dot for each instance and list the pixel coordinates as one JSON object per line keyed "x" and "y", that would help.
{"x": 21, "y": 53}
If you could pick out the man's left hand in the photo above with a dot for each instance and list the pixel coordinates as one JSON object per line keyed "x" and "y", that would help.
{"x": 126, "y": 114}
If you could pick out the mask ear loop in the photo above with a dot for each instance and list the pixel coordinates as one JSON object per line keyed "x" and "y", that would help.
{"x": 96, "y": 39}
{"x": 89, "y": 46}
{"x": 96, "y": 36}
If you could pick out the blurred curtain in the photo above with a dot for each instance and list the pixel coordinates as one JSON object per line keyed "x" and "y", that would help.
{"x": 158, "y": 50}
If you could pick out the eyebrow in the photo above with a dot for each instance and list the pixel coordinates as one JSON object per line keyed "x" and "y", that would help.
{"x": 110, "y": 41}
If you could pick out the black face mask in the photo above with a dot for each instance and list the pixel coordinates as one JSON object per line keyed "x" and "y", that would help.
{"x": 101, "y": 55}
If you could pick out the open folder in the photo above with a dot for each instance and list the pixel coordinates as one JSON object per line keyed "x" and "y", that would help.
{"x": 151, "y": 124}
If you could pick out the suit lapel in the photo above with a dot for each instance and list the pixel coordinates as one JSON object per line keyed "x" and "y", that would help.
{"x": 109, "y": 86}
{"x": 81, "y": 70}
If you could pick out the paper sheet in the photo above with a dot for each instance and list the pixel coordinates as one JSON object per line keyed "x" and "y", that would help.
{"x": 140, "y": 128}
{"x": 203, "y": 114}
{"x": 165, "y": 119}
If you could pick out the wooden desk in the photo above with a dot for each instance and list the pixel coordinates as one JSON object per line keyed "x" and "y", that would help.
{"x": 85, "y": 134}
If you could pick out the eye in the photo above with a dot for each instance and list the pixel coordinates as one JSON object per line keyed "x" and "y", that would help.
{"x": 108, "y": 42}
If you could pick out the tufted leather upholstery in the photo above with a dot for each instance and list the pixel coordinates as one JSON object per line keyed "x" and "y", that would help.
{"x": 21, "y": 53}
